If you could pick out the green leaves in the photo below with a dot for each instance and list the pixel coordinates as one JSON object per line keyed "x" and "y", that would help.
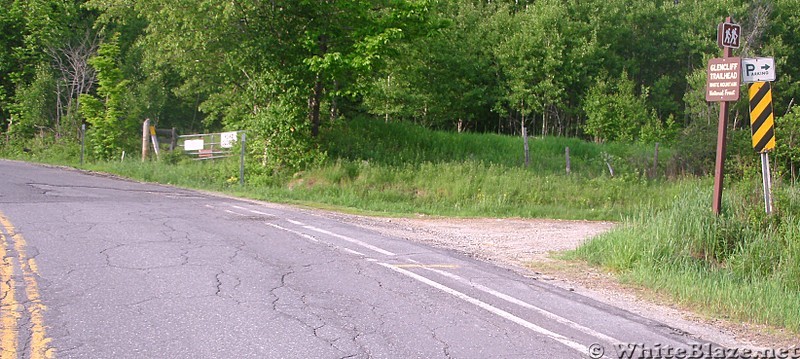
{"x": 530, "y": 56}
{"x": 787, "y": 135}
{"x": 104, "y": 112}
{"x": 614, "y": 112}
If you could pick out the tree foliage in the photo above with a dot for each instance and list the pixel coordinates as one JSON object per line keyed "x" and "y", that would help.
{"x": 104, "y": 111}
{"x": 787, "y": 134}
{"x": 611, "y": 70}
{"x": 615, "y": 112}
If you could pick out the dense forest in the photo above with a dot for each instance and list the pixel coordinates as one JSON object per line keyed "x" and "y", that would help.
{"x": 603, "y": 70}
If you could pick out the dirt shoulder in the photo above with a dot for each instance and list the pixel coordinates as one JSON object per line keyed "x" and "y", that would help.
{"x": 528, "y": 247}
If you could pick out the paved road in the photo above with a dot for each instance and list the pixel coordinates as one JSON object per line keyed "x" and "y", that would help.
{"x": 95, "y": 267}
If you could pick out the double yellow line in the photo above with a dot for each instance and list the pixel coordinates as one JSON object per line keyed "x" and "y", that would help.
{"x": 12, "y": 311}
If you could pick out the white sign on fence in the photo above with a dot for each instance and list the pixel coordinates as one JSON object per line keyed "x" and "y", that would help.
{"x": 227, "y": 139}
{"x": 193, "y": 145}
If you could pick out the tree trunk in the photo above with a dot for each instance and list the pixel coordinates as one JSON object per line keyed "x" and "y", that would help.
{"x": 544, "y": 123}
{"x": 313, "y": 106}
{"x": 316, "y": 92}
{"x": 334, "y": 103}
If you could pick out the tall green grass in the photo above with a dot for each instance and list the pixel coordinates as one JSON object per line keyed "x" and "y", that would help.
{"x": 469, "y": 188}
{"x": 401, "y": 144}
{"x": 742, "y": 265}
{"x": 214, "y": 176}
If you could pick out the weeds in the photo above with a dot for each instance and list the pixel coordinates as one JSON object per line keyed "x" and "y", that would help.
{"x": 742, "y": 265}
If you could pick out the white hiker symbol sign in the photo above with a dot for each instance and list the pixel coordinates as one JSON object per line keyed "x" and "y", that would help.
{"x": 728, "y": 35}
{"x": 731, "y": 36}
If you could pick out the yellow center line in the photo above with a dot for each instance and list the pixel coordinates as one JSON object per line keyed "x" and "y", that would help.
{"x": 8, "y": 305}
{"x": 39, "y": 343}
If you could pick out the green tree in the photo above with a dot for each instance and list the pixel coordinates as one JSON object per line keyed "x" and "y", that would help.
{"x": 615, "y": 112}
{"x": 34, "y": 107}
{"x": 787, "y": 135}
{"x": 10, "y": 38}
{"x": 250, "y": 54}
{"x": 443, "y": 80}
{"x": 530, "y": 52}
{"x": 104, "y": 111}
{"x": 324, "y": 48}
{"x": 34, "y": 33}
{"x": 781, "y": 39}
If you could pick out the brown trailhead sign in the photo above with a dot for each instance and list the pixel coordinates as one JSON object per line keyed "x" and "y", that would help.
{"x": 723, "y": 79}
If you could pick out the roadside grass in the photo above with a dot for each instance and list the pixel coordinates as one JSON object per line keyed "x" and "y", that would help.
{"x": 743, "y": 266}
{"x": 468, "y": 189}
{"x": 211, "y": 176}
{"x": 402, "y": 144}
{"x": 402, "y": 169}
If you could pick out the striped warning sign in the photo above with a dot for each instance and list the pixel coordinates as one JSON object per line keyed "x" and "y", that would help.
{"x": 762, "y": 121}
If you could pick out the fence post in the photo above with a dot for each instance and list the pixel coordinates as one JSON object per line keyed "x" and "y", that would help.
{"x": 241, "y": 161}
{"x": 145, "y": 139}
{"x": 566, "y": 153}
{"x": 655, "y": 162}
{"x": 83, "y": 141}
{"x": 8, "y": 130}
{"x": 525, "y": 146}
{"x": 173, "y": 140}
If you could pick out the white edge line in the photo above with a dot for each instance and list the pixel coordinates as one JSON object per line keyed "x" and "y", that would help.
{"x": 353, "y": 252}
{"x": 477, "y": 302}
{"x": 494, "y": 310}
{"x": 301, "y": 234}
{"x": 258, "y": 212}
{"x": 457, "y": 278}
{"x": 306, "y": 236}
{"x": 527, "y": 305}
{"x": 351, "y": 240}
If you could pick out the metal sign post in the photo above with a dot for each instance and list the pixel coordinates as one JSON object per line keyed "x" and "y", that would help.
{"x": 767, "y": 178}
{"x": 762, "y": 124}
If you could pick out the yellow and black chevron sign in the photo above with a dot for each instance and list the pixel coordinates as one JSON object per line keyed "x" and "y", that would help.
{"x": 762, "y": 120}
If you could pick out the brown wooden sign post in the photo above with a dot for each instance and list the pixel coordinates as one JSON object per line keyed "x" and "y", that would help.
{"x": 722, "y": 85}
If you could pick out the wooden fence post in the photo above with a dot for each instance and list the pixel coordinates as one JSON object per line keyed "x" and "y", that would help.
{"x": 173, "y": 140}
{"x": 655, "y": 162}
{"x": 525, "y": 145}
{"x": 83, "y": 141}
{"x": 566, "y": 153}
{"x": 145, "y": 139}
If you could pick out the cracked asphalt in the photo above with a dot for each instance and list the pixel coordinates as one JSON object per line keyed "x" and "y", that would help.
{"x": 132, "y": 270}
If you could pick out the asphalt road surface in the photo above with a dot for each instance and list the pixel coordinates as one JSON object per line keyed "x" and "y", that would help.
{"x": 97, "y": 267}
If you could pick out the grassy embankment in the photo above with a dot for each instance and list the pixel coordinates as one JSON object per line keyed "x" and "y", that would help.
{"x": 742, "y": 266}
